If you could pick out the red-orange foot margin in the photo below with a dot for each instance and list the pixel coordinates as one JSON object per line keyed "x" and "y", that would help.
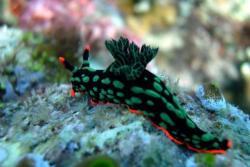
{"x": 135, "y": 111}
{"x": 214, "y": 151}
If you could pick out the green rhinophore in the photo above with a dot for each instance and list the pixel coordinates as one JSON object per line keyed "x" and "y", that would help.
{"x": 150, "y": 103}
{"x": 135, "y": 100}
{"x": 120, "y": 94}
{"x": 95, "y": 78}
{"x": 105, "y": 81}
{"x": 167, "y": 119}
{"x": 136, "y": 89}
{"x": 85, "y": 79}
{"x": 152, "y": 93}
{"x": 118, "y": 84}
{"x": 190, "y": 123}
{"x": 207, "y": 137}
{"x": 157, "y": 87}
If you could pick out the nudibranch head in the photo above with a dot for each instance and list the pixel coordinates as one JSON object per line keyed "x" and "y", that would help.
{"x": 80, "y": 76}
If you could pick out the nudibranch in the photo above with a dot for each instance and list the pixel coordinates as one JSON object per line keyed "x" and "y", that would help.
{"x": 127, "y": 81}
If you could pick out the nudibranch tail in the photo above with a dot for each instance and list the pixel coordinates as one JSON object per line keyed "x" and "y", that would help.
{"x": 196, "y": 143}
{"x": 177, "y": 125}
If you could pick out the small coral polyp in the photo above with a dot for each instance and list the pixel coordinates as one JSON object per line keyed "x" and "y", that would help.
{"x": 126, "y": 81}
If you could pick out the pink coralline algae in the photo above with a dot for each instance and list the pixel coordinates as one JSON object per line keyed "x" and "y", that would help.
{"x": 45, "y": 15}
{"x": 74, "y": 20}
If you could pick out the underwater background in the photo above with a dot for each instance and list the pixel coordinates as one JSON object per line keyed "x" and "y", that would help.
{"x": 204, "y": 57}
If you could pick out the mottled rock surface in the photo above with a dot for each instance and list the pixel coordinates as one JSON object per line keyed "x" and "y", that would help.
{"x": 52, "y": 128}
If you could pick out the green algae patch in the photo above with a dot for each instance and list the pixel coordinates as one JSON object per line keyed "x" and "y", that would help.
{"x": 208, "y": 160}
{"x": 149, "y": 162}
{"x": 98, "y": 161}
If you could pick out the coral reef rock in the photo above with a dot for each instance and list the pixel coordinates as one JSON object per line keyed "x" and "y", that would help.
{"x": 50, "y": 128}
